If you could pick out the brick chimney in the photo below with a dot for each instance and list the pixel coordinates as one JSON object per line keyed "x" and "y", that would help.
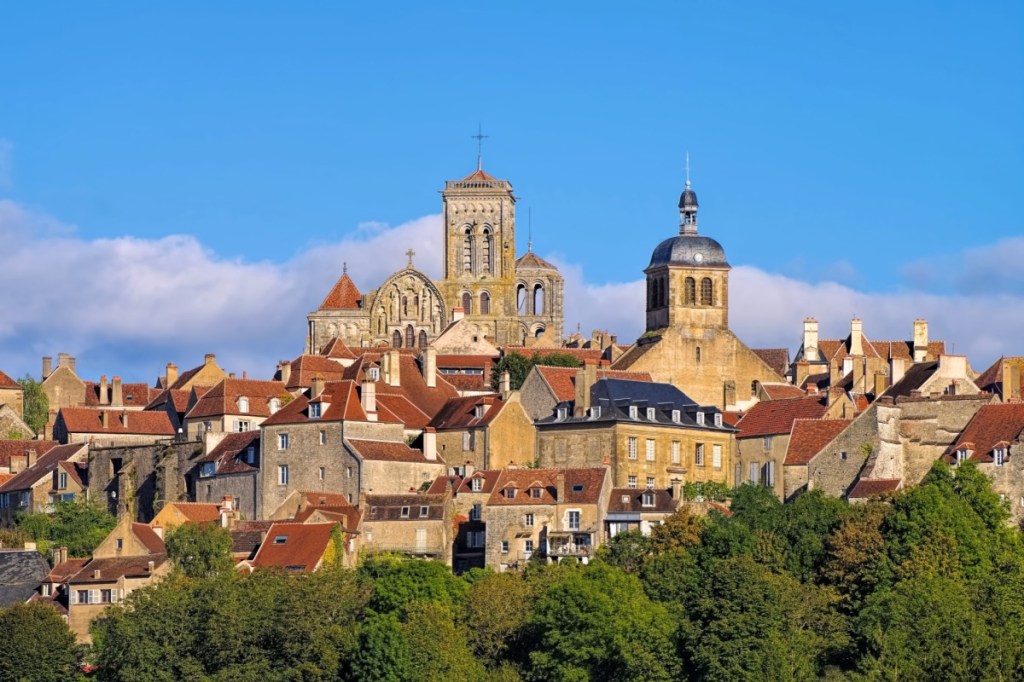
{"x": 116, "y": 392}
{"x": 170, "y": 375}
{"x": 920, "y": 340}
{"x": 104, "y": 396}
{"x": 430, "y": 367}
{"x": 856, "y": 340}
{"x": 430, "y": 443}
{"x": 810, "y": 339}
{"x": 285, "y": 368}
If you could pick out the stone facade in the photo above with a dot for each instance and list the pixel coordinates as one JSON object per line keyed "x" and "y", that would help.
{"x": 136, "y": 480}
{"x": 835, "y": 469}
{"x": 760, "y": 460}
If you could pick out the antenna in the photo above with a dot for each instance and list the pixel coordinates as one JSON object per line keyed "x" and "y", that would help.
{"x": 479, "y": 137}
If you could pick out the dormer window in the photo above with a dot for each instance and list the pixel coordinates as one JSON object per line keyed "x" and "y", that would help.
{"x": 648, "y": 499}
{"x": 250, "y": 455}
{"x": 633, "y": 412}
{"x": 650, "y": 414}
{"x": 509, "y": 493}
{"x": 595, "y": 411}
{"x": 961, "y": 455}
{"x": 243, "y": 405}
{"x": 478, "y": 411}
{"x": 275, "y": 405}
{"x": 535, "y": 493}
{"x": 563, "y": 412}
{"x": 700, "y": 419}
{"x": 476, "y": 485}
{"x": 625, "y": 499}
{"x": 405, "y": 513}
{"x": 374, "y": 373}
{"x": 676, "y": 416}
{"x": 208, "y": 469}
{"x": 424, "y": 512}
{"x": 314, "y": 410}
{"x": 999, "y": 456}
{"x": 718, "y": 419}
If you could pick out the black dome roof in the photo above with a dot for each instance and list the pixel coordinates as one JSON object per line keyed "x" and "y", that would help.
{"x": 693, "y": 250}
{"x": 688, "y": 199}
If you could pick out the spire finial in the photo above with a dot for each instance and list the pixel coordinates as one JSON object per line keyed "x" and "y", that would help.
{"x": 529, "y": 238}
{"x": 344, "y": 268}
{"x": 410, "y": 253}
{"x": 479, "y": 137}
{"x": 687, "y": 170}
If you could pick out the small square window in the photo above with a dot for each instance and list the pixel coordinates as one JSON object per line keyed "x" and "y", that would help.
{"x": 476, "y": 485}
{"x": 405, "y": 512}
{"x": 424, "y": 512}
{"x": 528, "y": 520}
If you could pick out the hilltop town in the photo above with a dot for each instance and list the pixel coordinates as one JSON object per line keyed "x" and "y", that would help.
{"x": 455, "y": 420}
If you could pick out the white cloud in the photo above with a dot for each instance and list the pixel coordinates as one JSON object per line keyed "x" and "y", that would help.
{"x": 6, "y": 164}
{"x": 128, "y": 305}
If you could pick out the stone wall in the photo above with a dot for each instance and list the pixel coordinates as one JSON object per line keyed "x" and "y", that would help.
{"x": 511, "y": 437}
{"x": 752, "y": 451}
{"x": 839, "y": 463}
{"x": 242, "y": 487}
{"x": 536, "y": 396}
{"x": 138, "y": 479}
{"x": 928, "y": 426}
{"x": 1008, "y": 480}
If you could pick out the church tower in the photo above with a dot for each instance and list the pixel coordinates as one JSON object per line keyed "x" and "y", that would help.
{"x": 688, "y": 277}
{"x": 479, "y": 246}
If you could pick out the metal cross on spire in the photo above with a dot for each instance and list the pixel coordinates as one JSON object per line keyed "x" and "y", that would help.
{"x": 344, "y": 268}
{"x": 410, "y": 253}
{"x": 687, "y": 169}
{"x": 479, "y": 137}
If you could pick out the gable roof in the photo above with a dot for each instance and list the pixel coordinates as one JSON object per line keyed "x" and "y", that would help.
{"x": 334, "y": 506}
{"x": 132, "y": 395}
{"x": 809, "y": 436}
{"x": 8, "y": 382}
{"x": 632, "y": 500}
{"x": 994, "y": 425}
{"x": 532, "y": 260}
{"x": 991, "y": 377}
{"x": 461, "y": 486}
{"x": 294, "y": 546}
{"x": 113, "y": 569}
{"x": 223, "y": 398}
{"x": 229, "y": 452}
{"x": 148, "y": 537}
{"x": 90, "y": 420}
{"x": 774, "y": 417}
{"x": 341, "y": 398}
{"x": 562, "y": 380}
{"x": 21, "y": 572}
{"x": 19, "y": 447}
{"x": 776, "y": 358}
{"x": 776, "y": 391}
{"x": 344, "y": 295}
{"x": 305, "y": 368}
{"x": 582, "y": 486}
{"x": 197, "y": 512}
{"x": 389, "y": 507}
{"x": 384, "y": 451}
{"x": 78, "y": 471}
{"x": 43, "y": 467}
{"x": 866, "y": 488}
{"x": 336, "y": 348}
{"x": 461, "y": 413}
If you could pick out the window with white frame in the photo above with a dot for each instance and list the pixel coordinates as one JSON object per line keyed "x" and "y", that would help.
{"x": 424, "y": 512}
{"x": 528, "y": 546}
{"x": 632, "y": 447}
{"x": 282, "y": 474}
{"x": 698, "y": 455}
{"x": 999, "y": 456}
{"x": 676, "y": 416}
{"x": 504, "y": 546}
{"x": 574, "y": 519}
{"x": 323, "y": 437}
{"x": 766, "y": 443}
{"x": 648, "y": 499}
{"x": 315, "y": 410}
{"x": 282, "y": 441}
{"x": 632, "y": 481}
{"x": 755, "y": 472}
{"x": 700, "y": 419}
{"x": 476, "y": 485}
{"x": 961, "y": 455}
{"x": 275, "y": 405}
{"x": 243, "y": 405}
{"x": 651, "y": 414}
{"x": 62, "y": 480}
{"x": 528, "y": 519}
{"x": 243, "y": 425}
{"x": 718, "y": 418}
{"x": 650, "y": 481}
{"x": 404, "y": 513}
{"x": 633, "y": 412}
{"x": 716, "y": 456}
{"x": 322, "y": 473}
{"x": 676, "y": 457}
{"x": 650, "y": 450}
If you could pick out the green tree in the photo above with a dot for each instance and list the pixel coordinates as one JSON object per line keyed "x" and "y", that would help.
{"x": 37, "y": 406}
{"x": 680, "y": 530}
{"x": 200, "y": 550}
{"x": 438, "y": 647}
{"x": 37, "y": 645}
{"x": 627, "y": 551}
{"x": 518, "y": 366}
{"x": 383, "y": 653}
{"x": 398, "y": 581}
{"x": 77, "y": 524}
{"x": 496, "y": 613}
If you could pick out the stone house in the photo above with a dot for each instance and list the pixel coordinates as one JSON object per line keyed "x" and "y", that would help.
{"x": 1003, "y": 379}
{"x": 545, "y": 387}
{"x": 234, "y": 406}
{"x": 630, "y": 509}
{"x": 415, "y": 524}
{"x": 806, "y": 439}
{"x": 12, "y": 426}
{"x": 59, "y": 474}
{"x": 300, "y": 374}
{"x": 61, "y": 384}
{"x": 486, "y": 430}
{"x": 131, "y": 556}
{"x": 229, "y": 470}
{"x": 175, "y": 514}
{"x": 203, "y": 376}
{"x": 299, "y": 547}
{"x": 648, "y": 434}
{"x": 137, "y": 480}
{"x": 18, "y": 455}
{"x": 100, "y": 427}
{"x": 994, "y": 440}
{"x": 545, "y": 514}
{"x": 12, "y": 394}
{"x": 763, "y": 438}
{"x": 470, "y": 489}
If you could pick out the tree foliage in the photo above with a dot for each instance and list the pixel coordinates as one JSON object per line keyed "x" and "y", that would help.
{"x": 80, "y": 525}
{"x": 37, "y": 645}
{"x": 518, "y": 366}
{"x": 36, "y": 404}
{"x": 200, "y": 550}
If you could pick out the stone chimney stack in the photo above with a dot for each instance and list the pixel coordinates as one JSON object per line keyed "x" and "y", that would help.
{"x": 368, "y": 397}
{"x": 677, "y": 490}
{"x": 458, "y": 314}
{"x": 560, "y": 487}
{"x": 285, "y": 368}
{"x": 920, "y": 340}
{"x": 506, "y": 384}
{"x": 104, "y": 396}
{"x": 316, "y": 387}
{"x": 226, "y": 511}
{"x": 62, "y": 555}
{"x": 897, "y": 368}
{"x": 392, "y": 368}
{"x": 856, "y": 337}
{"x": 209, "y": 359}
{"x": 171, "y": 375}
{"x": 810, "y": 339}
{"x": 586, "y": 376}
{"x": 30, "y": 457}
{"x": 859, "y": 375}
{"x": 430, "y": 367}
{"x": 430, "y": 443}
{"x": 63, "y": 360}
{"x": 116, "y": 392}
{"x": 47, "y": 367}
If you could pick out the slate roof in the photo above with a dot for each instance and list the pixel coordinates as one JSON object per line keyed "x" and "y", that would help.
{"x": 90, "y": 420}
{"x": 776, "y": 358}
{"x": 8, "y": 382}
{"x": 562, "y": 380}
{"x": 776, "y": 417}
{"x": 631, "y": 500}
{"x": 809, "y": 436}
{"x": 582, "y": 486}
{"x": 994, "y": 425}
{"x": 223, "y": 398}
{"x": 383, "y": 451}
{"x": 462, "y": 486}
{"x": 115, "y": 568}
{"x": 18, "y": 447}
{"x": 866, "y": 488}
{"x": 246, "y": 536}
{"x": 230, "y": 453}
{"x": 42, "y": 469}
{"x": 912, "y": 380}
{"x": 21, "y": 573}
{"x": 297, "y": 547}
{"x": 389, "y": 507}
{"x": 344, "y": 295}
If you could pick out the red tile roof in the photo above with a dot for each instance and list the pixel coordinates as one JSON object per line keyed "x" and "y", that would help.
{"x": 467, "y": 382}
{"x": 872, "y": 488}
{"x": 809, "y": 436}
{"x": 64, "y": 570}
{"x": 111, "y": 570}
{"x": 993, "y": 425}
{"x": 305, "y": 368}
{"x": 7, "y": 382}
{"x": 562, "y": 380}
{"x": 588, "y": 482}
{"x": 176, "y": 397}
{"x": 479, "y": 175}
{"x": 18, "y": 447}
{"x": 90, "y": 420}
{"x": 197, "y": 512}
{"x": 384, "y": 451}
{"x": 465, "y": 361}
{"x": 132, "y": 395}
{"x": 336, "y": 348}
{"x": 148, "y": 537}
{"x": 461, "y": 486}
{"x": 334, "y": 506}
{"x": 774, "y": 417}
{"x": 294, "y": 546}
{"x": 229, "y": 453}
{"x": 43, "y": 468}
{"x": 341, "y": 398}
{"x": 780, "y": 391}
{"x": 992, "y": 375}
{"x": 343, "y": 295}
{"x": 78, "y": 471}
{"x": 461, "y": 413}
{"x": 776, "y": 358}
{"x": 223, "y": 398}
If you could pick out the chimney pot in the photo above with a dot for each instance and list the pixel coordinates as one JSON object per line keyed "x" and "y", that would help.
{"x": 171, "y": 375}
{"x": 47, "y": 366}
{"x": 209, "y": 359}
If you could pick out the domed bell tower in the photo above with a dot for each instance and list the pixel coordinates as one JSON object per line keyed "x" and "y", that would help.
{"x": 688, "y": 277}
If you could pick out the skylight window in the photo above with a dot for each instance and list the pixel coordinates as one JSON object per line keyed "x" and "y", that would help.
{"x": 280, "y": 539}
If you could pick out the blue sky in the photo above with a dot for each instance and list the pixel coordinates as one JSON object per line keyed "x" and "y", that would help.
{"x": 874, "y": 149}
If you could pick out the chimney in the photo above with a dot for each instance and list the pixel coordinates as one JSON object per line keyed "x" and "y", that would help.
{"x": 285, "y": 368}
{"x": 458, "y": 314}
{"x": 506, "y": 384}
{"x": 227, "y": 508}
{"x": 63, "y": 360}
{"x": 856, "y": 341}
{"x": 896, "y": 369}
{"x": 171, "y": 374}
{"x": 859, "y": 380}
{"x": 920, "y": 340}
{"x": 104, "y": 396}
{"x": 47, "y": 366}
{"x": 430, "y": 367}
{"x": 881, "y": 383}
{"x": 586, "y": 376}
{"x": 468, "y": 469}
{"x": 316, "y": 387}
{"x": 116, "y": 393}
{"x": 96, "y": 574}
{"x": 231, "y": 375}
{"x": 800, "y": 374}
{"x": 677, "y": 489}
{"x": 105, "y": 419}
{"x": 560, "y": 487}
{"x": 392, "y": 369}
{"x": 368, "y": 398}
{"x": 30, "y": 457}
{"x": 159, "y": 530}
{"x": 810, "y": 339}
{"x": 1011, "y": 382}
{"x": 150, "y": 565}
{"x": 209, "y": 359}
{"x": 124, "y": 419}
{"x": 430, "y": 443}
{"x": 62, "y": 554}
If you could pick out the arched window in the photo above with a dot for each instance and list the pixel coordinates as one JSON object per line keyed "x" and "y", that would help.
{"x": 243, "y": 405}
{"x": 396, "y": 339}
{"x": 697, "y": 354}
{"x": 488, "y": 262}
{"x": 485, "y": 303}
{"x": 423, "y": 338}
{"x": 538, "y": 299}
{"x": 467, "y": 251}
{"x": 707, "y": 292}
{"x": 690, "y": 291}
{"x": 405, "y": 306}
{"x": 539, "y": 333}
{"x": 410, "y": 337}
{"x": 467, "y": 303}
{"x": 521, "y": 299}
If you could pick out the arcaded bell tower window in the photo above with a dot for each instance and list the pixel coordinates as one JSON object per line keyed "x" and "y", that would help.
{"x": 467, "y": 303}
{"x": 467, "y": 251}
{"x": 485, "y": 303}
{"x": 707, "y": 292}
{"x": 690, "y": 290}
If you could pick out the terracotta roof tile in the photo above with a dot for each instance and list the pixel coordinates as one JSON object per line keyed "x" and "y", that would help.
{"x": 562, "y": 380}
{"x": 873, "y": 487}
{"x": 532, "y": 260}
{"x": 305, "y": 368}
{"x": 993, "y": 425}
{"x": 7, "y": 382}
{"x": 991, "y": 376}
{"x": 384, "y": 451}
{"x": 461, "y": 413}
{"x": 781, "y": 391}
{"x": 334, "y": 506}
{"x": 43, "y": 468}
{"x": 90, "y": 420}
{"x": 774, "y": 417}
{"x": 64, "y": 570}
{"x": 294, "y": 546}
{"x": 809, "y": 436}
{"x": 132, "y": 395}
{"x": 461, "y": 486}
{"x": 776, "y": 358}
{"x": 224, "y": 398}
{"x": 465, "y": 361}
{"x": 18, "y": 447}
{"x": 148, "y": 537}
{"x": 230, "y": 452}
{"x": 78, "y": 471}
{"x": 582, "y": 486}
{"x": 111, "y": 570}
{"x": 343, "y": 295}
{"x": 336, "y": 348}
{"x": 197, "y": 512}
{"x": 467, "y": 382}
